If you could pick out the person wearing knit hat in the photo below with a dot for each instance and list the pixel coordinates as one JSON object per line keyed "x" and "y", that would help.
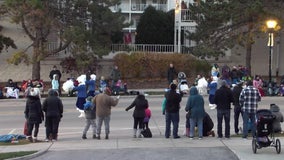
{"x": 90, "y": 115}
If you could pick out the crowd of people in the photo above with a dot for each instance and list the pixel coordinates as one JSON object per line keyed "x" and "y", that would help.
{"x": 226, "y": 87}
{"x": 224, "y": 90}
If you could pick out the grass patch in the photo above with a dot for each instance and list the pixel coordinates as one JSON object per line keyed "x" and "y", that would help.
{"x": 15, "y": 154}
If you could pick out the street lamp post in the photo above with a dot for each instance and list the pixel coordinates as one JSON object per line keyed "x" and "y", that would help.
{"x": 271, "y": 25}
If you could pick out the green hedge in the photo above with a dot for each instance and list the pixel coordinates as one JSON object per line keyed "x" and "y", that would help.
{"x": 155, "y": 65}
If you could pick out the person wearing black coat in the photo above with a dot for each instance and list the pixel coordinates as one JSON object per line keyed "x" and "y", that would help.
{"x": 33, "y": 114}
{"x": 237, "y": 108}
{"x": 208, "y": 126}
{"x": 140, "y": 103}
{"x": 223, "y": 99}
{"x": 171, "y": 73}
{"x": 53, "y": 108}
{"x": 173, "y": 100}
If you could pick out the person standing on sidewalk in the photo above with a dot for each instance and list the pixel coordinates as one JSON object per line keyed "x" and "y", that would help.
{"x": 90, "y": 115}
{"x": 53, "y": 108}
{"x": 140, "y": 103}
{"x": 237, "y": 108}
{"x": 52, "y": 73}
{"x": 223, "y": 99}
{"x": 249, "y": 99}
{"x": 195, "y": 106}
{"x": 173, "y": 100}
{"x": 33, "y": 113}
{"x": 104, "y": 102}
{"x": 171, "y": 73}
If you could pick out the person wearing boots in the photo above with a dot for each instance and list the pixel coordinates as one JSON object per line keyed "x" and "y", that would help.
{"x": 140, "y": 103}
{"x": 104, "y": 102}
{"x": 90, "y": 115}
{"x": 53, "y": 108}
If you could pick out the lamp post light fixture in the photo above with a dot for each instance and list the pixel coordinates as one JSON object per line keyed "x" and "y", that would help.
{"x": 271, "y": 25}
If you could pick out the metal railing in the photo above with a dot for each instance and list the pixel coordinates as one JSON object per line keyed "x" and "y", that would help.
{"x": 138, "y": 7}
{"x": 156, "y": 48}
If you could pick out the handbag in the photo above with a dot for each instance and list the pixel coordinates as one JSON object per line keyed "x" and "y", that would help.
{"x": 146, "y": 133}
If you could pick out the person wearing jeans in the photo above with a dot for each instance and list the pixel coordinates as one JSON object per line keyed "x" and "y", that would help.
{"x": 249, "y": 99}
{"x": 223, "y": 99}
{"x": 195, "y": 106}
{"x": 173, "y": 100}
{"x": 226, "y": 114}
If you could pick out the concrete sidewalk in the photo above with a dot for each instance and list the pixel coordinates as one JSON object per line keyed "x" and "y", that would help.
{"x": 241, "y": 148}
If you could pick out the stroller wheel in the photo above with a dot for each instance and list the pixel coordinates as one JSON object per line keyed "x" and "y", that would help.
{"x": 278, "y": 146}
{"x": 254, "y": 145}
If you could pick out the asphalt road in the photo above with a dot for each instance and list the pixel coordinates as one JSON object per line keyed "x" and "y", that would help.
{"x": 71, "y": 127}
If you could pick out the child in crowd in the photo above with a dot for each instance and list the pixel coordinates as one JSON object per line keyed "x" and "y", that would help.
{"x": 90, "y": 115}
{"x": 147, "y": 118}
{"x": 103, "y": 84}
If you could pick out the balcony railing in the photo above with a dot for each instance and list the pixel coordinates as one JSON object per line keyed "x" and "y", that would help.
{"x": 138, "y": 7}
{"x": 156, "y": 48}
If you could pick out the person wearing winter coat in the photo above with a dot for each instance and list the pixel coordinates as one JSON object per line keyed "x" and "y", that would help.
{"x": 90, "y": 115}
{"x": 171, "y": 73}
{"x": 212, "y": 86}
{"x": 223, "y": 99}
{"x": 53, "y": 109}
{"x": 140, "y": 103}
{"x": 237, "y": 108}
{"x": 195, "y": 106}
{"x": 148, "y": 115}
{"x": 55, "y": 83}
{"x": 104, "y": 102}
{"x": 278, "y": 118}
{"x": 172, "y": 108}
{"x": 208, "y": 126}
{"x": 33, "y": 114}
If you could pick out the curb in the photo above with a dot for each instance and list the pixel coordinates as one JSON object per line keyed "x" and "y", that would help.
{"x": 34, "y": 155}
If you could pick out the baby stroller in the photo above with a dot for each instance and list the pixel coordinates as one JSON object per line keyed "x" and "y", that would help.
{"x": 182, "y": 83}
{"x": 265, "y": 132}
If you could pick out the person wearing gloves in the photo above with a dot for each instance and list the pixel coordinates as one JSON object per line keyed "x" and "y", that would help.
{"x": 104, "y": 102}
{"x": 81, "y": 95}
{"x": 140, "y": 103}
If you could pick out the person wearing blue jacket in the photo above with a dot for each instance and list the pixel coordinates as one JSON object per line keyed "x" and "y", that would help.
{"x": 195, "y": 105}
{"x": 81, "y": 94}
{"x": 91, "y": 83}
